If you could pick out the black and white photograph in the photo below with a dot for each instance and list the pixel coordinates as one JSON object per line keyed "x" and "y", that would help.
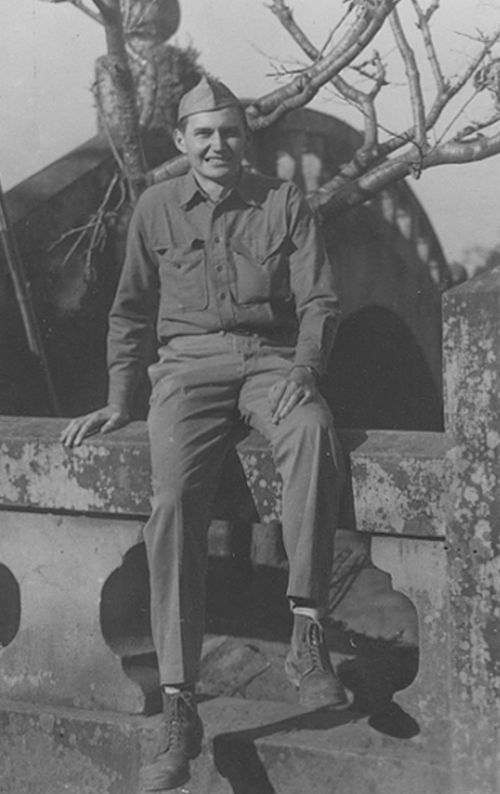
{"x": 250, "y": 397}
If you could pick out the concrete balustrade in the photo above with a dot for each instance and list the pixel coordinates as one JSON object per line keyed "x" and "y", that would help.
{"x": 71, "y": 520}
{"x": 72, "y": 571}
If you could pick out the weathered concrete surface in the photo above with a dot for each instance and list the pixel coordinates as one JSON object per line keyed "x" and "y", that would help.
{"x": 397, "y": 476}
{"x": 250, "y": 747}
{"x": 472, "y": 379}
{"x": 59, "y": 654}
{"x": 104, "y": 475}
{"x": 84, "y": 637}
{"x": 399, "y": 482}
{"x": 85, "y": 609}
{"x": 418, "y": 570}
{"x": 47, "y": 751}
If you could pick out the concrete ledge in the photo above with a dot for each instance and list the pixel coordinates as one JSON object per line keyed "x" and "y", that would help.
{"x": 71, "y": 553}
{"x": 397, "y": 476}
{"x": 252, "y": 747}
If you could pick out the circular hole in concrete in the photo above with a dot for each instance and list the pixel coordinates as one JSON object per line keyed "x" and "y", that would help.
{"x": 10, "y": 606}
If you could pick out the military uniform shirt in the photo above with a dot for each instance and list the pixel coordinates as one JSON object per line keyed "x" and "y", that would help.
{"x": 252, "y": 263}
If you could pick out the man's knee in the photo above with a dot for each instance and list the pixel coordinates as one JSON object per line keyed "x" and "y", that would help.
{"x": 311, "y": 418}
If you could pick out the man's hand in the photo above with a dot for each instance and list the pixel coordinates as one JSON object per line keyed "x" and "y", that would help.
{"x": 298, "y": 388}
{"x": 103, "y": 420}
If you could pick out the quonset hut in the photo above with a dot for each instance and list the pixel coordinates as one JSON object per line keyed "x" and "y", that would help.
{"x": 385, "y": 371}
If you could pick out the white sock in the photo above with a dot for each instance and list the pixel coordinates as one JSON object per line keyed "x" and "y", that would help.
{"x": 308, "y": 612}
{"x": 170, "y": 690}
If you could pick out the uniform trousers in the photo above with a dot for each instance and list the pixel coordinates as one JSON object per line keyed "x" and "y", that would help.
{"x": 202, "y": 386}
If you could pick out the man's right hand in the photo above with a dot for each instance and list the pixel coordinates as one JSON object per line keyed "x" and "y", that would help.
{"x": 103, "y": 420}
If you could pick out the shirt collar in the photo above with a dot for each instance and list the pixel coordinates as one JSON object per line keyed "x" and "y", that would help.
{"x": 191, "y": 192}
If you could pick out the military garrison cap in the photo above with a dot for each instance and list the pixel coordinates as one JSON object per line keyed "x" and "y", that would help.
{"x": 208, "y": 94}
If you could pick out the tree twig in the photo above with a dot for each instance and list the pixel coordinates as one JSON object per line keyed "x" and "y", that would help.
{"x": 365, "y": 102}
{"x": 271, "y": 107}
{"x": 423, "y": 19}
{"x": 96, "y": 226}
{"x": 443, "y": 98}
{"x": 413, "y": 76}
{"x": 475, "y": 127}
{"x": 82, "y": 7}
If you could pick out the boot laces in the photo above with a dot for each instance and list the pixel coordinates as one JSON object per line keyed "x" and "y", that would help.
{"x": 315, "y": 642}
{"x": 177, "y": 716}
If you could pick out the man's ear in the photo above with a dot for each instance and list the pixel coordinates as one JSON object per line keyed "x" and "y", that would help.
{"x": 179, "y": 141}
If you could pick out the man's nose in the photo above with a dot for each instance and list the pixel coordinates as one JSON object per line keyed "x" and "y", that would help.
{"x": 217, "y": 140}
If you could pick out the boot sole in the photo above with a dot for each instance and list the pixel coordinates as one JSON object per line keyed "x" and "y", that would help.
{"x": 191, "y": 753}
{"x": 181, "y": 781}
{"x": 294, "y": 677}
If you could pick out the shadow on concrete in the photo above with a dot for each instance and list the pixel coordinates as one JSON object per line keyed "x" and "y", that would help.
{"x": 379, "y": 671}
{"x": 236, "y": 756}
{"x": 126, "y": 624}
{"x": 249, "y": 601}
{"x": 10, "y": 606}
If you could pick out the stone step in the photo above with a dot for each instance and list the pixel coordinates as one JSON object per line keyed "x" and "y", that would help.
{"x": 250, "y": 747}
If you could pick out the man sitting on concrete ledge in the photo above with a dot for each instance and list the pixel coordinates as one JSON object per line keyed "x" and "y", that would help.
{"x": 231, "y": 268}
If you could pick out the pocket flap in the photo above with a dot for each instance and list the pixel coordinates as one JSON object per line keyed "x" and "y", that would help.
{"x": 258, "y": 250}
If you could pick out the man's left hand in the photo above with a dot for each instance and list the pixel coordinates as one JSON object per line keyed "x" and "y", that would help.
{"x": 298, "y": 388}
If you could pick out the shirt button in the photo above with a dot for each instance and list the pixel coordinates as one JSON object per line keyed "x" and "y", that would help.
{"x": 216, "y": 239}
{"x": 222, "y": 296}
{"x": 219, "y": 268}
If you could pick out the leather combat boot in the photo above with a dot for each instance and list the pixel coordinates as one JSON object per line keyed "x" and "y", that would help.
{"x": 180, "y": 742}
{"x": 309, "y": 669}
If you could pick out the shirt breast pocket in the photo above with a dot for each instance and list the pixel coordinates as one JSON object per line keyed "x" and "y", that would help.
{"x": 261, "y": 268}
{"x": 183, "y": 278}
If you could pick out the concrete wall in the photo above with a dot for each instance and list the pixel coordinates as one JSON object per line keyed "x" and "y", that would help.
{"x": 427, "y": 502}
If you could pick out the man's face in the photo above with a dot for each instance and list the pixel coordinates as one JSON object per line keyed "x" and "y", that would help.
{"x": 214, "y": 142}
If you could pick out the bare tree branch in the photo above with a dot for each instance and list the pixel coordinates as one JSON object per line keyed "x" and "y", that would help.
{"x": 94, "y": 232}
{"x": 175, "y": 167}
{"x": 107, "y": 131}
{"x": 424, "y": 26}
{"x": 368, "y": 185}
{"x": 82, "y": 7}
{"x": 303, "y": 88}
{"x": 443, "y": 98}
{"x": 476, "y": 127}
{"x": 123, "y": 83}
{"x": 109, "y": 9}
{"x": 374, "y": 165}
{"x": 364, "y": 102}
{"x": 413, "y": 76}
